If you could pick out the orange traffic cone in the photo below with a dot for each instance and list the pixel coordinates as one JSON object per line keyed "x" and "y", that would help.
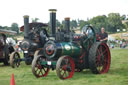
{"x": 12, "y": 80}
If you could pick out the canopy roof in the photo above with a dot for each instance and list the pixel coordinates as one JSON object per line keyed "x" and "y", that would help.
{"x": 34, "y": 24}
{"x": 10, "y": 32}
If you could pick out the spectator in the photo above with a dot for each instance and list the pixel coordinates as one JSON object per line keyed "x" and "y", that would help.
{"x": 103, "y": 35}
{"x": 121, "y": 44}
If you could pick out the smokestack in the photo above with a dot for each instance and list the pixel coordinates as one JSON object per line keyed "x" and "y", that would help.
{"x": 53, "y": 21}
{"x": 67, "y": 24}
{"x": 26, "y": 26}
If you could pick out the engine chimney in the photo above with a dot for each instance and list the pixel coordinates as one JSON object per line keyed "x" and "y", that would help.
{"x": 67, "y": 24}
{"x": 26, "y": 26}
{"x": 53, "y": 21}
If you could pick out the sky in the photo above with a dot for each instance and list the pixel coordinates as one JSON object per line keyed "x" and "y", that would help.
{"x": 12, "y": 11}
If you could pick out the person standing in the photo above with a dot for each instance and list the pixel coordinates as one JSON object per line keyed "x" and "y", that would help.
{"x": 103, "y": 35}
{"x": 121, "y": 43}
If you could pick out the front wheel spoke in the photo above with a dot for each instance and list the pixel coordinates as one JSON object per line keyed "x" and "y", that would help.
{"x": 41, "y": 72}
{"x": 64, "y": 73}
{"x": 64, "y": 67}
{"x": 36, "y": 69}
{"x": 61, "y": 70}
{"x": 66, "y": 61}
{"x": 38, "y": 72}
{"x": 45, "y": 70}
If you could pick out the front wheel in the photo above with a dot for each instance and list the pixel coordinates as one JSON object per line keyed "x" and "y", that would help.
{"x": 65, "y": 67}
{"x": 37, "y": 69}
{"x": 15, "y": 59}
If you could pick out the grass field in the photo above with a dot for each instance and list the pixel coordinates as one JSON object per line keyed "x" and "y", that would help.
{"x": 117, "y": 75}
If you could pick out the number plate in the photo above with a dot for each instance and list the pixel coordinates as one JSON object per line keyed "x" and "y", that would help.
{"x": 25, "y": 51}
{"x": 49, "y": 63}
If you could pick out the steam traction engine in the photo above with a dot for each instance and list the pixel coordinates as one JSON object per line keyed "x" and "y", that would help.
{"x": 35, "y": 36}
{"x": 69, "y": 52}
{"x": 6, "y": 48}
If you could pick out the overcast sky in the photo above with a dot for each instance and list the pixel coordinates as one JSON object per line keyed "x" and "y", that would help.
{"x": 14, "y": 10}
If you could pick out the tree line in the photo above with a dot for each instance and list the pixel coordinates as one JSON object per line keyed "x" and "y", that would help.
{"x": 111, "y": 22}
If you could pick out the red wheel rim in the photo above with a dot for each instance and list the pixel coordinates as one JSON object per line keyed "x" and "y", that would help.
{"x": 41, "y": 71}
{"x": 103, "y": 58}
{"x": 67, "y": 68}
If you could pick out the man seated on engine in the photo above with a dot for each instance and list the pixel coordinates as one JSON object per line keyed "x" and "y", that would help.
{"x": 103, "y": 35}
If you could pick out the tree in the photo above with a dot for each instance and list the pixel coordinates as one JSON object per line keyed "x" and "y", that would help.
{"x": 6, "y": 27}
{"x": 98, "y": 22}
{"x": 82, "y": 23}
{"x": 114, "y": 22}
{"x": 123, "y": 17}
{"x": 35, "y": 19}
{"x": 126, "y": 25}
{"x": 58, "y": 24}
{"x": 62, "y": 25}
{"x": 15, "y": 27}
{"x": 73, "y": 24}
{"x": 1, "y": 27}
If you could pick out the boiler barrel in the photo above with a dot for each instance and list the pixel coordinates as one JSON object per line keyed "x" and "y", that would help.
{"x": 65, "y": 48}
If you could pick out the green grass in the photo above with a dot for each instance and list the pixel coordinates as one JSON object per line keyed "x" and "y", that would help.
{"x": 117, "y": 75}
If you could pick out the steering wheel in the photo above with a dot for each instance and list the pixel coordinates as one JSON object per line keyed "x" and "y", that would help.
{"x": 88, "y": 31}
{"x": 89, "y": 36}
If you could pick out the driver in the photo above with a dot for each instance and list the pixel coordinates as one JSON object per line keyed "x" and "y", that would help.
{"x": 88, "y": 31}
{"x": 43, "y": 36}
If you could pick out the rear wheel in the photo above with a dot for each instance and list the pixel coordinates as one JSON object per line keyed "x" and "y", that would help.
{"x": 65, "y": 67}
{"x": 15, "y": 59}
{"x": 99, "y": 58}
{"x": 37, "y": 69}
